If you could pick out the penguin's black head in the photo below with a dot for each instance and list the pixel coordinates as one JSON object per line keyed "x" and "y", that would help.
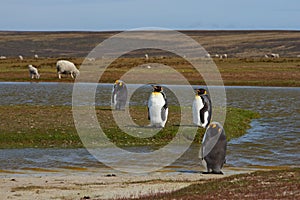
{"x": 157, "y": 88}
{"x": 201, "y": 91}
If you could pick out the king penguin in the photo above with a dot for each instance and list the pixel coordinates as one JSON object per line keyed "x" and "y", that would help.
{"x": 157, "y": 107}
{"x": 119, "y": 95}
{"x": 213, "y": 149}
{"x": 202, "y": 109}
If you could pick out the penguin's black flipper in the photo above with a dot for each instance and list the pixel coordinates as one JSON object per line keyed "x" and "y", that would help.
{"x": 148, "y": 114}
{"x": 163, "y": 113}
{"x": 165, "y": 98}
{"x": 202, "y": 111}
{"x": 206, "y": 108}
{"x": 164, "y": 108}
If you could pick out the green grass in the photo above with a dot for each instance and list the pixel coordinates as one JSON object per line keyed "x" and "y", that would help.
{"x": 53, "y": 126}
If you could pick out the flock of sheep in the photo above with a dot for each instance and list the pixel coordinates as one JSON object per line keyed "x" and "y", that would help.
{"x": 225, "y": 56}
{"x": 62, "y": 66}
{"x": 67, "y": 67}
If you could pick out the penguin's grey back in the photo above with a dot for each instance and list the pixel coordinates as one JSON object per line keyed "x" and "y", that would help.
{"x": 214, "y": 145}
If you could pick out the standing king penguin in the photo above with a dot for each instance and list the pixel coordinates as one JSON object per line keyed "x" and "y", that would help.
{"x": 157, "y": 107}
{"x": 119, "y": 95}
{"x": 213, "y": 149}
{"x": 202, "y": 109}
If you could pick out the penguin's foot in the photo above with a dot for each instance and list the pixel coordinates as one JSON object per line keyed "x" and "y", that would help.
{"x": 155, "y": 126}
{"x": 219, "y": 172}
{"x": 213, "y": 172}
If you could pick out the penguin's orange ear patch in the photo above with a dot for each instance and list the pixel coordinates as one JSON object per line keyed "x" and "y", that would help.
{"x": 214, "y": 125}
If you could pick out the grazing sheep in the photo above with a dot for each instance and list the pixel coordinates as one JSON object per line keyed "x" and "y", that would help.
{"x": 21, "y": 57}
{"x": 207, "y": 55}
{"x": 91, "y": 59}
{"x": 274, "y": 55}
{"x": 33, "y": 72}
{"x": 2, "y": 57}
{"x": 66, "y": 67}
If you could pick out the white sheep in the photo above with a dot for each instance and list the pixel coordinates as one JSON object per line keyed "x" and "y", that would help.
{"x": 146, "y": 57}
{"x": 2, "y": 57}
{"x": 66, "y": 67}
{"x": 36, "y": 56}
{"x": 274, "y": 55}
{"x": 207, "y": 55}
{"x": 91, "y": 59}
{"x": 33, "y": 72}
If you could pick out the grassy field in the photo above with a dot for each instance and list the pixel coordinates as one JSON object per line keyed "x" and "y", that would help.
{"x": 246, "y": 64}
{"x": 234, "y": 71}
{"x": 53, "y": 126}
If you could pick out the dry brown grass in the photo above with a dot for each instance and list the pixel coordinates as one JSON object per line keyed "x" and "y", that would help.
{"x": 234, "y": 71}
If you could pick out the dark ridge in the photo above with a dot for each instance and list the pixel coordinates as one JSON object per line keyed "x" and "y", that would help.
{"x": 237, "y": 43}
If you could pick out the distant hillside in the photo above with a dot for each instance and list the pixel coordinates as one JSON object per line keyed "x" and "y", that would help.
{"x": 79, "y": 44}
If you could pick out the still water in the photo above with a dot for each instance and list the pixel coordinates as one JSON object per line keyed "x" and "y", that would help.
{"x": 272, "y": 140}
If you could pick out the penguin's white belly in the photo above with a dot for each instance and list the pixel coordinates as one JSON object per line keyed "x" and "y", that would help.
{"x": 155, "y": 104}
{"x": 197, "y": 106}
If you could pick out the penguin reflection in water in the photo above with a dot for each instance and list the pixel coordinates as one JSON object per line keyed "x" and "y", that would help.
{"x": 157, "y": 107}
{"x": 213, "y": 149}
{"x": 119, "y": 95}
{"x": 202, "y": 109}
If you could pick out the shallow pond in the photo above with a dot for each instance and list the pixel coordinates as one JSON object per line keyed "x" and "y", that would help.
{"x": 273, "y": 139}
